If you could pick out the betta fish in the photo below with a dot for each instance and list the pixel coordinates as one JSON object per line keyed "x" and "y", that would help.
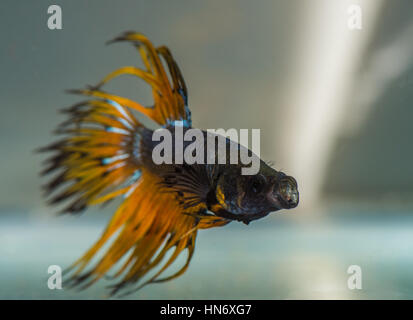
{"x": 105, "y": 153}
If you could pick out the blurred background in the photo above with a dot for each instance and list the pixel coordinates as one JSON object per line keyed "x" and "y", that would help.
{"x": 334, "y": 106}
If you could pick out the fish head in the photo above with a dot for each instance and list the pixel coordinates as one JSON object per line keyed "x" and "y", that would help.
{"x": 250, "y": 197}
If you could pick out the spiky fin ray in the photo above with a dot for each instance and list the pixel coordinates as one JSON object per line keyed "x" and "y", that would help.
{"x": 148, "y": 221}
{"x": 170, "y": 100}
{"x": 92, "y": 155}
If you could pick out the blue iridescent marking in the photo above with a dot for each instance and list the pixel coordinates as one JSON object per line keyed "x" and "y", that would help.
{"x": 125, "y": 123}
{"x": 109, "y": 160}
{"x": 179, "y": 123}
{"x": 136, "y": 175}
{"x": 181, "y": 92}
{"x": 119, "y": 108}
{"x": 133, "y": 182}
{"x": 136, "y": 144}
{"x": 117, "y": 130}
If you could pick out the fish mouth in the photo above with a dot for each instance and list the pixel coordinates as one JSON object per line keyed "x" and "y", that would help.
{"x": 284, "y": 196}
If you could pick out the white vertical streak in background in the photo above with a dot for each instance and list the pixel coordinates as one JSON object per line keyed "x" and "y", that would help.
{"x": 328, "y": 53}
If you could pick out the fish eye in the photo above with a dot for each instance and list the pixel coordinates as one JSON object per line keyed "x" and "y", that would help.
{"x": 258, "y": 183}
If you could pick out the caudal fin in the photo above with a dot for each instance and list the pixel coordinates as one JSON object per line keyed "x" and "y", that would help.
{"x": 98, "y": 160}
{"x": 93, "y": 163}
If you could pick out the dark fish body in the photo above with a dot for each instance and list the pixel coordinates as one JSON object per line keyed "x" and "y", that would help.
{"x": 207, "y": 179}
